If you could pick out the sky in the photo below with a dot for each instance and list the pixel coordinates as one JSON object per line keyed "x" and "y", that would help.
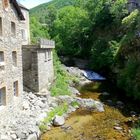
{"x": 32, "y": 3}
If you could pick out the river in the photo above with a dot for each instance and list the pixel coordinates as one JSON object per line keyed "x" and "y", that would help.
{"x": 113, "y": 124}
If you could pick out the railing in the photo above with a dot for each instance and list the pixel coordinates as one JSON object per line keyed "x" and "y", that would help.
{"x": 46, "y": 42}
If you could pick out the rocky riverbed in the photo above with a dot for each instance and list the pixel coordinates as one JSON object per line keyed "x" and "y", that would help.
{"x": 24, "y": 122}
{"x": 115, "y": 123}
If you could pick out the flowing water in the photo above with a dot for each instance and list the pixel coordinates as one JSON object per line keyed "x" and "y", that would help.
{"x": 113, "y": 124}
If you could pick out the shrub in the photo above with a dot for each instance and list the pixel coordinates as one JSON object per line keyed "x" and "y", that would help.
{"x": 60, "y": 110}
{"x": 128, "y": 79}
{"x": 60, "y": 87}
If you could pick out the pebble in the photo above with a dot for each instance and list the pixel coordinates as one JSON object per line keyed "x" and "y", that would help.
{"x": 118, "y": 128}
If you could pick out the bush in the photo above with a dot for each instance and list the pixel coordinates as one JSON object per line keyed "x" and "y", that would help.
{"x": 136, "y": 133}
{"x": 128, "y": 78}
{"x": 60, "y": 87}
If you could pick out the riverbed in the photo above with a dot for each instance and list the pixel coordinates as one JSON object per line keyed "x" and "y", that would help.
{"x": 114, "y": 123}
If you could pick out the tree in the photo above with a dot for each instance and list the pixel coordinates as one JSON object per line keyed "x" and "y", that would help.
{"x": 71, "y": 26}
{"x": 37, "y": 30}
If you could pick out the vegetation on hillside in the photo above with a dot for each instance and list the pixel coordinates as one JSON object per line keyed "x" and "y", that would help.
{"x": 103, "y": 31}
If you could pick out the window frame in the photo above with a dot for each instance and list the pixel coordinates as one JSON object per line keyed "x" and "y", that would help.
{"x": 14, "y": 58}
{"x": 13, "y": 28}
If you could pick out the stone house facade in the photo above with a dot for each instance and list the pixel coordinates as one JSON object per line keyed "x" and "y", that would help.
{"x": 38, "y": 69}
{"x": 11, "y": 81}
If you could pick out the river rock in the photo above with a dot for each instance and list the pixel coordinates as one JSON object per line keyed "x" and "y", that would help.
{"x": 118, "y": 128}
{"x": 4, "y": 137}
{"x": 58, "y": 120}
{"x": 13, "y": 136}
{"x": 32, "y": 137}
{"x": 99, "y": 106}
{"x": 74, "y": 91}
{"x": 25, "y": 105}
{"x": 105, "y": 94}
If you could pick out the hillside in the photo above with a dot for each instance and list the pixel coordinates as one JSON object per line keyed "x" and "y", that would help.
{"x": 41, "y": 10}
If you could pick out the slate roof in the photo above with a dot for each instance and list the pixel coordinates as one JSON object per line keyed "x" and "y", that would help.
{"x": 17, "y": 8}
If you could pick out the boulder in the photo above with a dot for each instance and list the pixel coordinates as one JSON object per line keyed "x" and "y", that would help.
{"x": 13, "y": 136}
{"x": 74, "y": 91}
{"x": 99, "y": 106}
{"x": 58, "y": 121}
{"x": 105, "y": 94}
{"x": 32, "y": 137}
{"x": 25, "y": 105}
{"x": 4, "y": 137}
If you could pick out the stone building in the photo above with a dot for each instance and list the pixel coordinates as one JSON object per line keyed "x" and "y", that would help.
{"x": 11, "y": 81}
{"x": 35, "y": 63}
{"x": 38, "y": 70}
{"x": 24, "y": 24}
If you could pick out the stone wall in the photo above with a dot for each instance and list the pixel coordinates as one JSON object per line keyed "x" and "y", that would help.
{"x": 45, "y": 65}
{"x": 30, "y": 68}
{"x": 38, "y": 70}
{"x": 10, "y": 42}
{"x": 25, "y": 27}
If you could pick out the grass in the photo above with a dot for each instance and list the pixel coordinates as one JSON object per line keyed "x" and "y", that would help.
{"x": 136, "y": 133}
{"x": 60, "y": 110}
{"x": 75, "y": 104}
{"x": 61, "y": 84}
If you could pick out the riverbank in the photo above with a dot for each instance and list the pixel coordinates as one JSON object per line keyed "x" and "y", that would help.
{"x": 25, "y": 122}
{"x": 115, "y": 123}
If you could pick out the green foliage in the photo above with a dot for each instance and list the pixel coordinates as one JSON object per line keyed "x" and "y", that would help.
{"x": 136, "y": 133}
{"x": 37, "y": 30}
{"x": 70, "y": 25}
{"x": 60, "y": 87}
{"x": 100, "y": 30}
{"x": 75, "y": 104}
{"x": 60, "y": 110}
{"x": 127, "y": 78}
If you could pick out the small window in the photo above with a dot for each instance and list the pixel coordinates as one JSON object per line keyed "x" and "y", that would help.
{"x": 45, "y": 56}
{"x": 5, "y": 4}
{"x": 13, "y": 28}
{"x": 1, "y": 56}
{"x": 0, "y": 26}
{"x": 14, "y": 58}
{"x": 2, "y": 64}
{"x": 2, "y": 96}
{"x": 23, "y": 34}
{"x": 49, "y": 55}
{"x": 15, "y": 87}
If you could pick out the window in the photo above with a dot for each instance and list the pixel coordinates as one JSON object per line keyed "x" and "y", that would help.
{"x": 13, "y": 28}
{"x": 2, "y": 96}
{"x": 45, "y": 56}
{"x": 15, "y": 87}
{"x": 2, "y": 61}
{"x": 49, "y": 55}
{"x": 1, "y": 56}
{"x": 14, "y": 58}
{"x": 5, "y": 4}
{"x": 0, "y": 26}
{"x": 23, "y": 34}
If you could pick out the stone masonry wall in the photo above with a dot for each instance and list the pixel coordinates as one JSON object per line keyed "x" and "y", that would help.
{"x": 38, "y": 70}
{"x": 46, "y": 71}
{"x": 30, "y": 68}
{"x": 25, "y": 26}
{"x": 9, "y": 43}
